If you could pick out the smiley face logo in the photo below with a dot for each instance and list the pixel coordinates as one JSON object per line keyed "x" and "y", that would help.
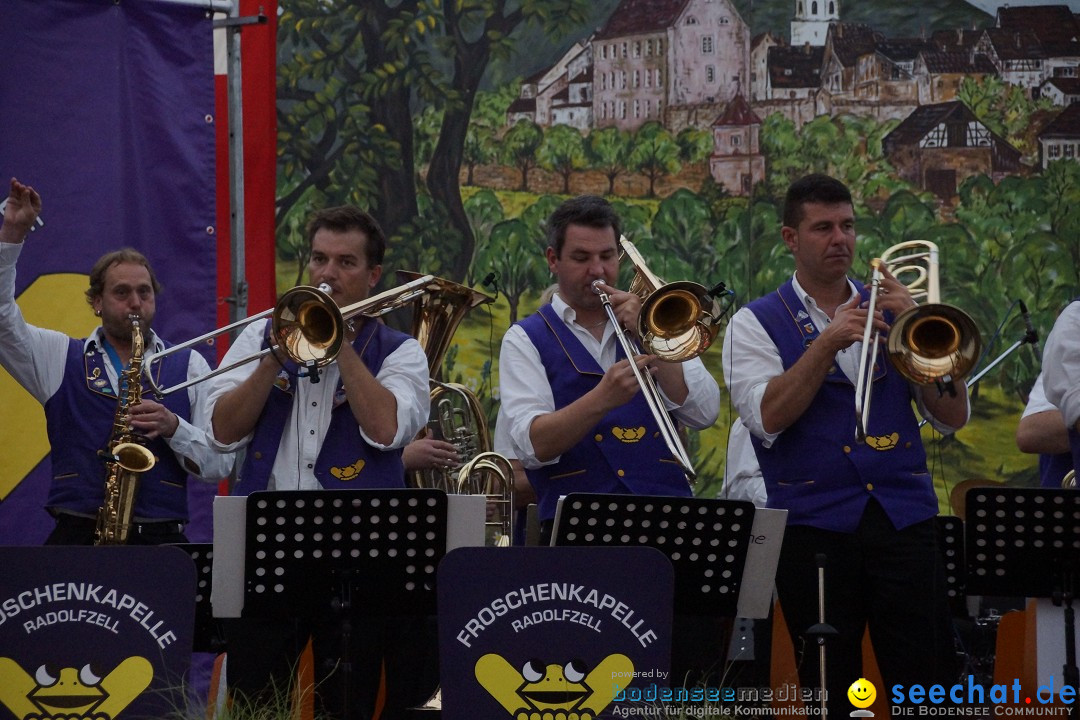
{"x": 862, "y": 693}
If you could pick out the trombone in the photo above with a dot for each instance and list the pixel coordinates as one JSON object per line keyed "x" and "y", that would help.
{"x": 929, "y": 344}
{"x": 678, "y": 322}
{"x": 306, "y": 325}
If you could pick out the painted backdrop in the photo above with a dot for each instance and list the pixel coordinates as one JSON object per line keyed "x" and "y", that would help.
{"x": 461, "y": 125}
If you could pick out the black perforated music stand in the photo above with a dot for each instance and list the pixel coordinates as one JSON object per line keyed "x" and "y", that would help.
{"x": 1026, "y": 542}
{"x": 950, "y": 531}
{"x": 208, "y": 636}
{"x": 705, "y": 539}
{"x": 381, "y": 546}
{"x": 351, "y": 553}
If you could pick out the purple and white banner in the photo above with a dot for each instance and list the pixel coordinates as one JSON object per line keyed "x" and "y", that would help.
{"x": 108, "y": 111}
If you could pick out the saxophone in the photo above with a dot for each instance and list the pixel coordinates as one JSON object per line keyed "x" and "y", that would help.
{"x": 126, "y": 458}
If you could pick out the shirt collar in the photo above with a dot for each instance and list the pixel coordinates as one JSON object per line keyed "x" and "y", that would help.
{"x": 96, "y": 341}
{"x": 808, "y": 301}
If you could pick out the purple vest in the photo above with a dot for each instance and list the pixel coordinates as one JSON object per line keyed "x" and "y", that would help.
{"x": 815, "y": 469}
{"x": 623, "y": 454}
{"x": 79, "y": 418}
{"x": 1054, "y": 467}
{"x": 345, "y": 460}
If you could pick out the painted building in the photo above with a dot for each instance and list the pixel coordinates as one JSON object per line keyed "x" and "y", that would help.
{"x": 736, "y": 161}
{"x": 811, "y": 22}
{"x": 665, "y": 60}
{"x": 939, "y": 146}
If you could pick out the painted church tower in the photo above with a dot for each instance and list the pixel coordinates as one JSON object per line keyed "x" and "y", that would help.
{"x": 811, "y": 22}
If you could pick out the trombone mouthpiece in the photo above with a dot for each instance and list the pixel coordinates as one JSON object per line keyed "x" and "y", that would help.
{"x": 596, "y": 285}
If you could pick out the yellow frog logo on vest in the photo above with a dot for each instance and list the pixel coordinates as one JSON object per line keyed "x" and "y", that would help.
{"x": 558, "y": 692}
{"x": 70, "y": 693}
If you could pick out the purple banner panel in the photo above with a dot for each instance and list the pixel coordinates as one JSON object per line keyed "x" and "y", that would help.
{"x": 108, "y": 111}
{"x": 95, "y": 632}
{"x": 552, "y": 632}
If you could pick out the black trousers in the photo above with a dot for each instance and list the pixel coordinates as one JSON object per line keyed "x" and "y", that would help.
{"x": 889, "y": 579}
{"x": 78, "y": 530}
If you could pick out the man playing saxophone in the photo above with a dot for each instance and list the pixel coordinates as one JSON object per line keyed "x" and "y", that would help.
{"x": 78, "y": 381}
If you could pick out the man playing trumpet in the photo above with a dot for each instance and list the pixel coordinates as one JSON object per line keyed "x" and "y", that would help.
{"x": 790, "y": 361}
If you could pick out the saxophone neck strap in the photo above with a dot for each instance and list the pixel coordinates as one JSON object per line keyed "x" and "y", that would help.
{"x": 118, "y": 365}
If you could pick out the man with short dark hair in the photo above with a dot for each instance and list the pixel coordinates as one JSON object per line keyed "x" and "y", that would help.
{"x": 345, "y": 432}
{"x": 790, "y": 362}
{"x": 566, "y": 389}
{"x": 80, "y": 384}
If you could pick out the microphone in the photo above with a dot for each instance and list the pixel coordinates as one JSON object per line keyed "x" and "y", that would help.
{"x": 491, "y": 282}
{"x": 1030, "y": 336}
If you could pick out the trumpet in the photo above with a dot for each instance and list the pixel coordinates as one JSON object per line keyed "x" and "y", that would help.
{"x": 929, "y": 344}
{"x": 306, "y": 325}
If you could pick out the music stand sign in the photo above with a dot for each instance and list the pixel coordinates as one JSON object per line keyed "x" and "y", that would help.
{"x": 552, "y": 632}
{"x": 94, "y": 632}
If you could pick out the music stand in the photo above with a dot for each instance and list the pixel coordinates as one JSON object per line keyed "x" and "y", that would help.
{"x": 950, "y": 532}
{"x": 208, "y": 636}
{"x": 356, "y": 552}
{"x": 705, "y": 539}
{"x": 1026, "y": 542}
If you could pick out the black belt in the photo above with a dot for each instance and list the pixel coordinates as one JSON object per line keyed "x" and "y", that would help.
{"x": 157, "y": 528}
{"x": 150, "y": 529}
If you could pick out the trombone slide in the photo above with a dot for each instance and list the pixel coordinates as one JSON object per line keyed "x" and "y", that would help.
{"x": 649, "y": 390}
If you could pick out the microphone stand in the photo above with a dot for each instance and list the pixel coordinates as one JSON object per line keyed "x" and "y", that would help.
{"x": 822, "y": 630}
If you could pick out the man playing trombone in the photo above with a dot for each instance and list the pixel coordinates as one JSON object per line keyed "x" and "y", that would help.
{"x": 790, "y": 363}
{"x": 574, "y": 408}
{"x": 345, "y": 431}
{"x": 78, "y": 381}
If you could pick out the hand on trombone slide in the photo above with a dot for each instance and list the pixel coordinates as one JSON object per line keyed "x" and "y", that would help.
{"x": 619, "y": 384}
{"x": 626, "y": 306}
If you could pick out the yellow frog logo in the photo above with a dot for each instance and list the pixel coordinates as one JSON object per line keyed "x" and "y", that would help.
{"x": 628, "y": 435}
{"x": 883, "y": 442}
{"x": 72, "y": 694}
{"x": 349, "y": 472}
{"x": 558, "y": 692}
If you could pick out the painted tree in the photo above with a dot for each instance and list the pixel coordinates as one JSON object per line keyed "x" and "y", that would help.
{"x": 682, "y": 235}
{"x": 608, "y": 151}
{"x": 654, "y": 154}
{"x": 519, "y": 146}
{"x": 562, "y": 152}
{"x": 350, "y": 78}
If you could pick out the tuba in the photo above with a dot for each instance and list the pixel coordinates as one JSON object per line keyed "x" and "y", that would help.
{"x": 127, "y": 459}
{"x": 931, "y": 343}
{"x": 456, "y": 415}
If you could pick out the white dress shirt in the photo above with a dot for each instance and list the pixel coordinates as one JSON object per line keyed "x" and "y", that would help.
{"x": 36, "y": 358}
{"x": 1037, "y": 401}
{"x": 742, "y": 473}
{"x": 404, "y": 373}
{"x": 1061, "y": 364}
{"x": 751, "y": 360}
{"x": 524, "y": 392}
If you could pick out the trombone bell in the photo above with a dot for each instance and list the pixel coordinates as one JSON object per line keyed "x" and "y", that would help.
{"x": 932, "y": 342}
{"x": 308, "y": 325}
